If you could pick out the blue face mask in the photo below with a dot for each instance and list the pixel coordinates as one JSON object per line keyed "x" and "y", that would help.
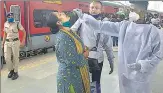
{"x": 66, "y": 24}
{"x": 96, "y": 16}
{"x": 10, "y": 19}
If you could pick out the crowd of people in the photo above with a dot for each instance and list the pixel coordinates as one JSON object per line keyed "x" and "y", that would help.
{"x": 149, "y": 18}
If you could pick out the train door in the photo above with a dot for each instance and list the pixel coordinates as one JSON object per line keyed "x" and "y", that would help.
{"x": 2, "y": 16}
{"x": 17, "y": 7}
{"x": 1, "y": 25}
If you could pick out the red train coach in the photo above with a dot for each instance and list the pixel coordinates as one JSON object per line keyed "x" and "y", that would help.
{"x": 33, "y": 16}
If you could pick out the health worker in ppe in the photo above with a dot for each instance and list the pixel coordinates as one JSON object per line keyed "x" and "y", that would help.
{"x": 139, "y": 51}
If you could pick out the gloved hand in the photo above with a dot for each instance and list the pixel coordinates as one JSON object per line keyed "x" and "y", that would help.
{"x": 111, "y": 67}
{"x": 78, "y": 12}
{"x": 134, "y": 66}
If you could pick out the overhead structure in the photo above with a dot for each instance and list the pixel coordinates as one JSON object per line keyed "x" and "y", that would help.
{"x": 53, "y": 1}
{"x": 156, "y": 6}
{"x": 112, "y": 3}
{"x": 143, "y": 5}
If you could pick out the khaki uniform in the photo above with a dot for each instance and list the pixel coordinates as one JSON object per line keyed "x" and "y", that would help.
{"x": 12, "y": 45}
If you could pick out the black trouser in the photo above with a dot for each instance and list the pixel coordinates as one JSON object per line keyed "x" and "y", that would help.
{"x": 96, "y": 74}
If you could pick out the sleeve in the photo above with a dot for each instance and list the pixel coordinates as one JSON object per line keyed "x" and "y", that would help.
{"x": 108, "y": 49}
{"x": 76, "y": 26}
{"x": 156, "y": 56}
{"x": 106, "y": 27}
{"x": 67, "y": 53}
{"x": 20, "y": 26}
{"x": 4, "y": 28}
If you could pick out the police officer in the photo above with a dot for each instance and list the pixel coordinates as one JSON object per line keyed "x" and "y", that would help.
{"x": 11, "y": 44}
{"x": 96, "y": 43}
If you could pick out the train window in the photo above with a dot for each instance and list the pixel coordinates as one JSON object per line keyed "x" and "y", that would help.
{"x": 40, "y": 17}
{"x": 16, "y": 10}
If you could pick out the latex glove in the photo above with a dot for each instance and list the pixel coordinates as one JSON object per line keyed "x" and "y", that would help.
{"x": 134, "y": 66}
{"x": 78, "y": 12}
{"x": 111, "y": 67}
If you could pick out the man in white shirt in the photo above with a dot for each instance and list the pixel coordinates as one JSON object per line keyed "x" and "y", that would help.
{"x": 96, "y": 43}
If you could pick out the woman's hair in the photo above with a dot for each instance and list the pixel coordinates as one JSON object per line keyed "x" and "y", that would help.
{"x": 52, "y": 23}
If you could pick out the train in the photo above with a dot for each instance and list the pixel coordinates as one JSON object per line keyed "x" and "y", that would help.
{"x": 33, "y": 16}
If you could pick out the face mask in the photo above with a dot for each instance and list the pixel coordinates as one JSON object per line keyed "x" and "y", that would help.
{"x": 96, "y": 16}
{"x": 66, "y": 24}
{"x": 10, "y": 19}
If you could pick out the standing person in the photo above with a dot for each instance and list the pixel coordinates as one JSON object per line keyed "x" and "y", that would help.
{"x": 155, "y": 20}
{"x": 115, "y": 39}
{"x": 93, "y": 42}
{"x": 106, "y": 18}
{"x": 73, "y": 72}
{"x": 140, "y": 50}
{"x": 11, "y": 44}
{"x": 162, "y": 26}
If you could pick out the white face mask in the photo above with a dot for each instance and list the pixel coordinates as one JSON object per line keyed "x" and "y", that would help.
{"x": 133, "y": 16}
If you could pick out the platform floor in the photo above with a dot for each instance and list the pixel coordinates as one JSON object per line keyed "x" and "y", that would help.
{"x": 38, "y": 75}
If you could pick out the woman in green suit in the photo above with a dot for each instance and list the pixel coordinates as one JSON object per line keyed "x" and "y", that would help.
{"x": 73, "y": 74}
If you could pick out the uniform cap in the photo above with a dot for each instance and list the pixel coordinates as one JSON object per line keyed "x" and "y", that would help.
{"x": 10, "y": 14}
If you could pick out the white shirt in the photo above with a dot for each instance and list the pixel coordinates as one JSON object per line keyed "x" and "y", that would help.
{"x": 87, "y": 35}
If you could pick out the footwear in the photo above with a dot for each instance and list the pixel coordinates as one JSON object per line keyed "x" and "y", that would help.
{"x": 15, "y": 76}
{"x": 11, "y": 74}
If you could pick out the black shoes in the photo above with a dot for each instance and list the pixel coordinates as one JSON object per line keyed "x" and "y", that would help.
{"x": 13, "y": 75}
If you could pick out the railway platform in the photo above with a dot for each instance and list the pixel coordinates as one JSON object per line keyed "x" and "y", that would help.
{"x": 38, "y": 75}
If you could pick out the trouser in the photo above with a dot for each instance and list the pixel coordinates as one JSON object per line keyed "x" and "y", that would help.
{"x": 96, "y": 76}
{"x": 115, "y": 41}
{"x": 12, "y": 49}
